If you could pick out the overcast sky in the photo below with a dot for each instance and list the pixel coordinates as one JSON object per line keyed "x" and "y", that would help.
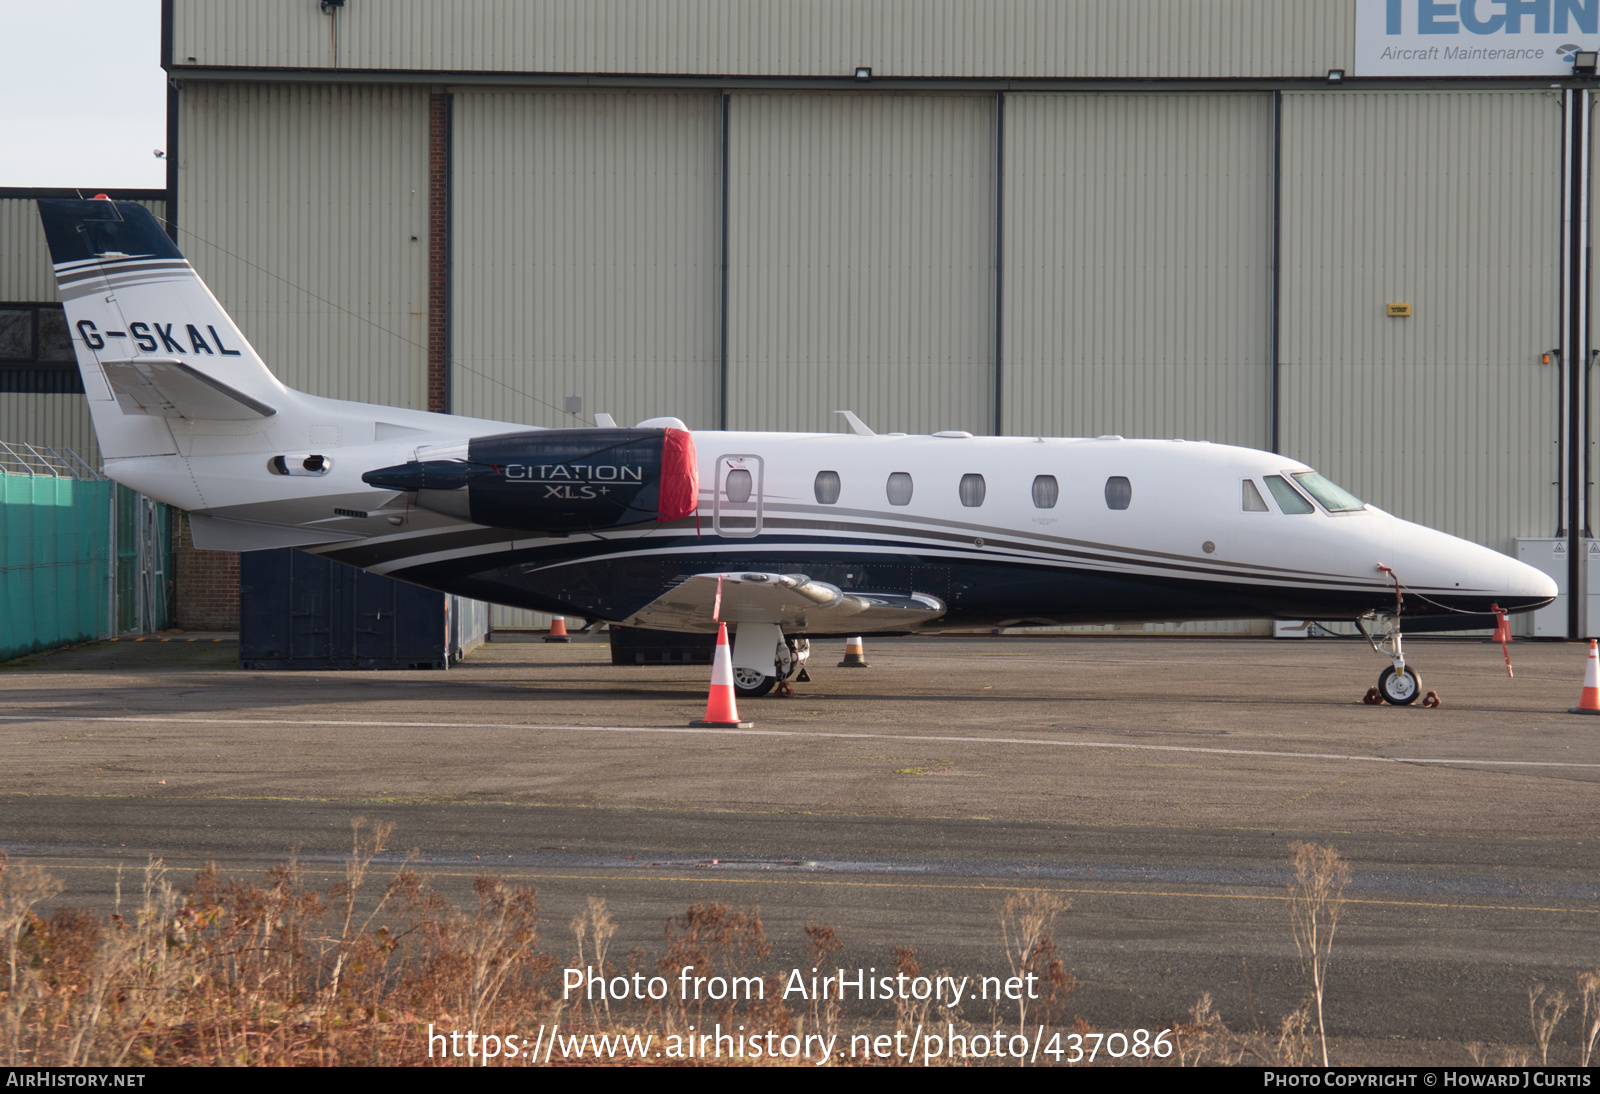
{"x": 84, "y": 93}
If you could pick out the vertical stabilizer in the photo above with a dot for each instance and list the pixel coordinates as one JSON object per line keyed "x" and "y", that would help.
{"x": 152, "y": 342}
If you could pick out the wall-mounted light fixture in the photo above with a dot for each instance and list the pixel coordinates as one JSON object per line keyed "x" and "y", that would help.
{"x": 1583, "y": 62}
{"x": 1336, "y": 75}
{"x": 864, "y": 73}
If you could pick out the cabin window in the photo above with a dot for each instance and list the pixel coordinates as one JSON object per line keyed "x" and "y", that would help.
{"x": 1333, "y": 498}
{"x": 1289, "y": 499}
{"x": 1046, "y": 491}
{"x": 1253, "y": 501}
{"x": 737, "y": 485}
{"x": 1119, "y": 492}
{"x": 972, "y": 490}
{"x": 899, "y": 488}
{"x": 827, "y": 487}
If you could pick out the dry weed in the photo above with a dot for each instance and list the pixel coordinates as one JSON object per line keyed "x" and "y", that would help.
{"x": 713, "y": 939}
{"x": 596, "y": 925}
{"x": 822, "y": 944}
{"x": 1205, "y": 1040}
{"x": 909, "y": 1013}
{"x": 1589, "y": 992}
{"x": 259, "y": 972}
{"x": 1316, "y": 904}
{"x": 1027, "y": 922}
{"x": 1546, "y": 1008}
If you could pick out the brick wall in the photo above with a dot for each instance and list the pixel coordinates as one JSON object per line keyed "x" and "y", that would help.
{"x": 207, "y": 585}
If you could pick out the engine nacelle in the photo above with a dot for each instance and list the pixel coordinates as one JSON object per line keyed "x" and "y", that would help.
{"x": 558, "y": 480}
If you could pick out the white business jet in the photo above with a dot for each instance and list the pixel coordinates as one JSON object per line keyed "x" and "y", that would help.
{"x": 785, "y": 536}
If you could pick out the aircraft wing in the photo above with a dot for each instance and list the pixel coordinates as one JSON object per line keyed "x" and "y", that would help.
{"x": 793, "y": 601}
{"x": 171, "y": 389}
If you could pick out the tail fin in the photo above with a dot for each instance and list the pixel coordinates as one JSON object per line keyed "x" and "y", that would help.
{"x": 152, "y": 342}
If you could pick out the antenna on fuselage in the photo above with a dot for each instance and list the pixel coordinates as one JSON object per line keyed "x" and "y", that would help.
{"x": 861, "y": 428}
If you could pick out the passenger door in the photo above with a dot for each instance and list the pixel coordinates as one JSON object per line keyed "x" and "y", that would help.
{"x": 736, "y": 504}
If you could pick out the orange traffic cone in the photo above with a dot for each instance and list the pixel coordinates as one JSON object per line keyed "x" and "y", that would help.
{"x": 1590, "y": 703}
{"x": 721, "y": 711}
{"x": 855, "y": 654}
{"x": 558, "y": 629}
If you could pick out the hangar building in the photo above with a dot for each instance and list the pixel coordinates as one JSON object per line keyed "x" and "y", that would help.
{"x": 1241, "y": 221}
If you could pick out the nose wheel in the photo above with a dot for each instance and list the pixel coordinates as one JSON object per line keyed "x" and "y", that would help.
{"x": 1399, "y": 686}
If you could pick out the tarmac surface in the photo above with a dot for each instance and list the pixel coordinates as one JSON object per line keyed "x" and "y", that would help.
{"x": 1156, "y": 783}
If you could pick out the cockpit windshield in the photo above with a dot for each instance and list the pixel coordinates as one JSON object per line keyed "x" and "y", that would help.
{"x": 1289, "y": 499}
{"x": 1333, "y": 498}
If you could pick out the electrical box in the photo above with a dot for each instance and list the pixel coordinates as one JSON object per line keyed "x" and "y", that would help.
{"x": 1589, "y": 575}
{"x": 1549, "y": 556}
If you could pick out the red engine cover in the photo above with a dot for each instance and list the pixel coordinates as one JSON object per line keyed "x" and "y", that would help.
{"x": 680, "y": 476}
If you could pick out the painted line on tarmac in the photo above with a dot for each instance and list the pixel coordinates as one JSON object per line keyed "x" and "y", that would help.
{"x": 655, "y": 876}
{"x": 923, "y": 738}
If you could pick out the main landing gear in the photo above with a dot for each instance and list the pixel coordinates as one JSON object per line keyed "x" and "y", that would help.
{"x": 752, "y": 683}
{"x": 764, "y": 659}
{"x": 1399, "y": 683}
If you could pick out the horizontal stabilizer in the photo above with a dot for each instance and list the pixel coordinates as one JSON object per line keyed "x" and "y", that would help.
{"x": 168, "y": 388}
{"x": 793, "y": 601}
{"x": 222, "y": 534}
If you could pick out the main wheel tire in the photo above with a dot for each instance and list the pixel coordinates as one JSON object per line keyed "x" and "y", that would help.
{"x": 1401, "y": 689}
{"x": 750, "y": 684}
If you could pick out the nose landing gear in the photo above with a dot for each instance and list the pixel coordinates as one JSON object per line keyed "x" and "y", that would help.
{"x": 1399, "y": 683}
{"x": 1399, "y": 686}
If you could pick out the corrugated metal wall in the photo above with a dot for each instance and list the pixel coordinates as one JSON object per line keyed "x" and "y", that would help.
{"x": 860, "y": 261}
{"x": 957, "y": 38}
{"x": 25, "y": 274}
{"x": 586, "y": 230}
{"x": 305, "y": 208}
{"x": 1137, "y": 265}
{"x": 1448, "y": 201}
{"x": 55, "y": 421}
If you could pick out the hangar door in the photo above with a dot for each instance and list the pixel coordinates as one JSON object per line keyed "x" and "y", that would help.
{"x": 1448, "y": 202}
{"x": 860, "y": 260}
{"x": 1136, "y": 256}
{"x": 584, "y": 239}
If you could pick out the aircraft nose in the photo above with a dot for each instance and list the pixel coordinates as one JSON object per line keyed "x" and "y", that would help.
{"x": 1468, "y": 575}
{"x": 1531, "y": 586}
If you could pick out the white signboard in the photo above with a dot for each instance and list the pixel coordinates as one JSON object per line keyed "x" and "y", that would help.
{"x": 1473, "y": 37}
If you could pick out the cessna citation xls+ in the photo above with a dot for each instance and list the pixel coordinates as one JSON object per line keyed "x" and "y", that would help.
{"x": 785, "y": 536}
